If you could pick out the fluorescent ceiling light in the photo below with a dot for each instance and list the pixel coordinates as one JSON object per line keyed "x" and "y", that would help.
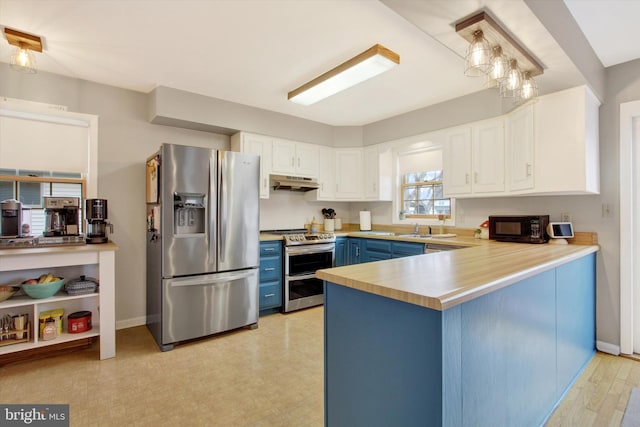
{"x": 373, "y": 61}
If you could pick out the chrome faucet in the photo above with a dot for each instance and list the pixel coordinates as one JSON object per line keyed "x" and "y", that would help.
{"x": 415, "y": 229}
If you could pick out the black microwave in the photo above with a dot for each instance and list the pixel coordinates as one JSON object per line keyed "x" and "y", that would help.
{"x": 519, "y": 229}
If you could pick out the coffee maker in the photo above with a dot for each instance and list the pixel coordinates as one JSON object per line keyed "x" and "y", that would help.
{"x": 96, "y": 216}
{"x": 61, "y": 216}
{"x": 11, "y": 218}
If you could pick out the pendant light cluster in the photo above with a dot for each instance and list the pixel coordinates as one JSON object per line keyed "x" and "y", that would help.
{"x": 496, "y": 55}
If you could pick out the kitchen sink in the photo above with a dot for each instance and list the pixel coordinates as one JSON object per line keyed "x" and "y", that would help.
{"x": 422, "y": 236}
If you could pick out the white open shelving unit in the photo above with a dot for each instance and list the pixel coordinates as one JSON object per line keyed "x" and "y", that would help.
{"x": 69, "y": 262}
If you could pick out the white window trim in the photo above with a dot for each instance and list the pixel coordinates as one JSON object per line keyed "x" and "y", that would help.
{"x": 37, "y": 111}
{"x": 413, "y": 145}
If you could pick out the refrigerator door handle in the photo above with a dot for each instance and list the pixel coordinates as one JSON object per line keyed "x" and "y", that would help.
{"x": 212, "y": 210}
{"x": 222, "y": 208}
{"x": 212, "y": 279}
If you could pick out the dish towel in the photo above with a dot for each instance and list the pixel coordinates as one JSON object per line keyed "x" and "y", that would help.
{"x": 632, "y": 412}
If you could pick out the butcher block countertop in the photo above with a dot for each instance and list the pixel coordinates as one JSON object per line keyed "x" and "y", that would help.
{"x": 445, "y": 279}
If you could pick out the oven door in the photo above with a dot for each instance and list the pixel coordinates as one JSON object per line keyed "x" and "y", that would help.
{"x": 301, "y": 288}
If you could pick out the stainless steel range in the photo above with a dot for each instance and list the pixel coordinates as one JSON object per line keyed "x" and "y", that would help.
{"x": 304, "y": 254}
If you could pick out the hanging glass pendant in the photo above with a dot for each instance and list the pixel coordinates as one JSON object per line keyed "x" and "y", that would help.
{"x": 478, "y": 58}
{"x": 529, "y": 87}
{"x": 513, "y": 79}
{"x": 23, "y": 60}
{"x": 498, "y": 64}
{"x": 510, "y": 85}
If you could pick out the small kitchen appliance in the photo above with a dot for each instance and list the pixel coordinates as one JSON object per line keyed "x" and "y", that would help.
{"x": 11, "y": 218}
{"x": 96, "y": 216}
{"x": 519, "y": 229}
{"x": 62, "y": 217}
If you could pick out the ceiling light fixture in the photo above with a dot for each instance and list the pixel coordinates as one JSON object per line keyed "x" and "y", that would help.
{"x": 23, "y": 58}
{"x": 511, "y": 67}
{"x": 373, "y": 61}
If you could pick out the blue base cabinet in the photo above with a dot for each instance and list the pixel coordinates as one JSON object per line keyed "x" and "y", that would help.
{"x": 341, "y": 251}
{"x": 354, "y": 250}
{"x": 502, "y": 359}
{"x": 270, "y": 290}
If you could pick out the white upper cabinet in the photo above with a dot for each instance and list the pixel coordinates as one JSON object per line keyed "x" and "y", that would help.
{"x": 260, "y": 145}
{"x": 520, "y": 148}
{"x": 551, "y": 147}
{"x": 294, "y": 158}
{"x": 377, "y": 164}
{"x": 349, "y": 176}
{"x": 474, "y": 159}
{"x": 566, "y": 130}
{"x": 487, "y": 154}
{"x": 326, "y": 176}
{"x": 457, "y": 161}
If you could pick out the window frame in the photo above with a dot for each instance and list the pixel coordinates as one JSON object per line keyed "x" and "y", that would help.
{"x": 415, "y": 145}
{"x": 419, "y": 184}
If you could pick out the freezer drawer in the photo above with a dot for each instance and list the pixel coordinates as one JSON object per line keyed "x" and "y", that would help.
{"x": 197, "y": 306}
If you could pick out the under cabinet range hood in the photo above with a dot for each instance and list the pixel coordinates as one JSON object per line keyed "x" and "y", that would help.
{"x": 293, "y": 183}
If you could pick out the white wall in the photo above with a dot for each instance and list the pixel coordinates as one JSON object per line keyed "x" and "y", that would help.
{"x": 287, "y": 209}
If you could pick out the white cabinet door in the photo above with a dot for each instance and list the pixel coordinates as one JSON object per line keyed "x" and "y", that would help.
{"x": 349, "y": 174}
{"x": 260, "y": 145}
{"x": 457, "y": 162}
{"x": 520, "y": 143}
{"x": 306, "y": 160}
{"x": 326, "y": 176}
{"x": 294, "y": 158}
{"x": 371, "y": 176}
{"x": 283, "y": 157}
{"x": 487, "y": 155}
{"x": 378, "y": 170}
{"x": 566, "y": 131}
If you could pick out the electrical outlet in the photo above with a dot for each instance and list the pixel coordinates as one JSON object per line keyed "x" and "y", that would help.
{"x": 606, "y": 210}
{"x": 565, "y": 217}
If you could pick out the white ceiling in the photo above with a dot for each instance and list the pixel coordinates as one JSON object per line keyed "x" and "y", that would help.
{"x": 255, "y": 51}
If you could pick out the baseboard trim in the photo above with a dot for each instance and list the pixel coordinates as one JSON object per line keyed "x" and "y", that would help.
{"x": 606, "y": 347}
{"x": 131, "y": 323}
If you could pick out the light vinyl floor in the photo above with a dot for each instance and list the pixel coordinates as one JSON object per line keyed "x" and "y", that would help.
{"x": 270, "y": 376}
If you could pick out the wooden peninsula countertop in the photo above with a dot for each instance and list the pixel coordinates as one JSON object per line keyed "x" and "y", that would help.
{"x": 445, "y": 279}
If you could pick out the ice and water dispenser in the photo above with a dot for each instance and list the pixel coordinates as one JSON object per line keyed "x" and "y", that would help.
{"x": 189, "y": 213}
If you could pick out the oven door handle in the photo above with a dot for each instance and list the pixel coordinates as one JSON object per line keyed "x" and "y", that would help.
{"x": 314, "y": 249}
{"x": 301, "y": 276}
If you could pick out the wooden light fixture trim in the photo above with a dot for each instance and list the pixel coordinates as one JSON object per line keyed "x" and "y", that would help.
{"x": 23, "y": 40}
{"x": 369, "y": 53}
{"x": 496, "y": 35}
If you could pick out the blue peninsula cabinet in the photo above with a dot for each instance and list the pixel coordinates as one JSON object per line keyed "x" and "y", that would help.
{"x": 504, "y": 358}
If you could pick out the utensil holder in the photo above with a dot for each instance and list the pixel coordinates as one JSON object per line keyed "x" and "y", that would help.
{"x": 329, "y": 224}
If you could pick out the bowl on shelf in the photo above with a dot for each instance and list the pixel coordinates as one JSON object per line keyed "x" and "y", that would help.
{"x": 42, "y": 290}
{"x": 7, "y": 291}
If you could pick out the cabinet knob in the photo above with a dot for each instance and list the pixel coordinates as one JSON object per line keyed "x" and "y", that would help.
{"x": 269, "y": 269}
{"x": 466, "y": 178}
{"x": 475, "y": 177}
{"x": 269, "y": 295}
{"x": 528, "y": 169}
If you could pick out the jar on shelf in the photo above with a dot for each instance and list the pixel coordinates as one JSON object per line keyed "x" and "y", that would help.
{"x": 50, "y": 330}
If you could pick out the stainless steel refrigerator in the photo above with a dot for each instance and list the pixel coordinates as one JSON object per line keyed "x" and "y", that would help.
{"x": 202, "y": 242}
